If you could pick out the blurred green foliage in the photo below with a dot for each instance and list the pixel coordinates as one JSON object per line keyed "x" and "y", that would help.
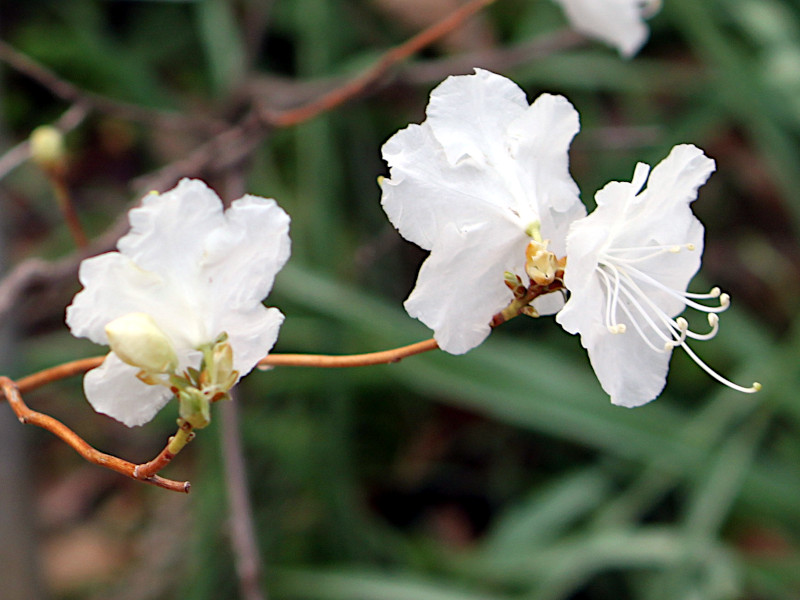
{"x": 505, "y": 473}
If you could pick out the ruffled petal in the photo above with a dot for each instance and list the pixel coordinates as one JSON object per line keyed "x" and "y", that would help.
{"x": 252, "y": 246}
{"x": 115, "y": 286}
{"x": 540, "y": 140}
{"x": 460, "y": 286}
{"x": 659, "y": 215}
{"x": 113, "y": 389}
{"x": 425, "y": 192}
{"x": 252, "y": 333}
{"x": 628, "y": 369}
{"x": 168, "y": 230}
{"x": 469, "y": 115}
{"x": 619, "y": 23}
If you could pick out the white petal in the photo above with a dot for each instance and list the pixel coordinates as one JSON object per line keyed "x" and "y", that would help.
{"x": 242, "y": 257}
{"x": 628, "y": 370}
{"x": 115, "y": 286}
{"x": 469, "y": 115}
{"x": 252, "y": 334}
{"x": 113, "y": 389}
{"x": 540, "y": 140}
{"x": 168, "y": 230}
{"x": 460, "y": 286}
{"x": 426, "y": 192}
{"x": 619, "y": 23}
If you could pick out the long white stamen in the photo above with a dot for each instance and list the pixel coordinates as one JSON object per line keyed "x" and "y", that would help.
{"x": 625, "y": 297}
{"x": 747, "y": 390}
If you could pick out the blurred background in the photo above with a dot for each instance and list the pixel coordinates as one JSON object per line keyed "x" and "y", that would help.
{"x": 503, "y": 474}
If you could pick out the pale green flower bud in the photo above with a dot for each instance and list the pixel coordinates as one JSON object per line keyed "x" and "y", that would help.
{"x": 221, "y": 370}
{"x": 137, "y": 340}
{"x": 47, "y": 147}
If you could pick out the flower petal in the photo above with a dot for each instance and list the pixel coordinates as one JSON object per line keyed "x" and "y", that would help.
{"x": 618, "y": 23}
{"x": 426, "y": 192}
{"x": 629, "y": 370}
{"x": 469, "y": 114}
{"x": 168, "y": 230}
{"x": 113, "y": 389}
{"x": 460, "y": 286}
{"x": 540, "y": 140}
{"x": 252, "y": 246}
{"x": 115, "y": 286}
{"x": 252, "y": 333}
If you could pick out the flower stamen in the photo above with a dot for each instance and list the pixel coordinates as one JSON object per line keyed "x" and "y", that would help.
{"x": 626, "y": 299}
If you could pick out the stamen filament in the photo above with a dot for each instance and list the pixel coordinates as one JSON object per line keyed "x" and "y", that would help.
{"x": 643, "y": 312}
{"x": 747, "y": 390}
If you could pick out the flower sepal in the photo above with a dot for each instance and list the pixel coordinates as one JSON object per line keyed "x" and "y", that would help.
{"x": 194, "y": 407}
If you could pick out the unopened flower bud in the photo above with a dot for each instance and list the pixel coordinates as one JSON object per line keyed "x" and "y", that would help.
{"x": 47, "y": 148}
{"x": 137, "y": 340}
{"x": 540, "y": 264}
{"x": 221, "y": 371}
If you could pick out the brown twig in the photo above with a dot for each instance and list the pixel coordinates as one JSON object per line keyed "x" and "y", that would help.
{"x": 350, "y": 360}
{"x": 31, "y": 417}
{"x": 149, "y": 469}
{"x": 355, "y": 86}
{"x": 67, "y": 207}
{"x": 76, "y": 367}
{"x": 225, "y": 151}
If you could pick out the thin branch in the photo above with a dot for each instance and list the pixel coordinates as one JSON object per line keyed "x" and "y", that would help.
{"x": 76, "y": 367}
{"x": 54, "y": 426}
{"x": 224, "y": 151}
{"x": 147, "y": 471}
{"x": 240, "y": 511}
{"x": 71, "y": 93}
{"x": 357, "y": 85}
{"x": 351, "y": 360}
{"x": 66, "y": 205}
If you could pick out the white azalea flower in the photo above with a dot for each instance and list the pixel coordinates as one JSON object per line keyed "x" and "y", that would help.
{"x": 187, "y": 270}
{"x": 619, "y": 23}
{"x": 470, "y": 184}
{"x": 628, "y": 266}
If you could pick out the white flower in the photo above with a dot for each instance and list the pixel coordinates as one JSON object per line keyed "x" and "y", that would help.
{"x": 628, "y": 266}
{"x": 619, "y": 23}
{"x": 467, "y": 184}
{"x": 197, "y": 272}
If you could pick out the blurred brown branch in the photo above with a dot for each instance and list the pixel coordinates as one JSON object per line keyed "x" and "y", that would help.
{"x": 71, "y": 93}
{"x": 358, "y": 84}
